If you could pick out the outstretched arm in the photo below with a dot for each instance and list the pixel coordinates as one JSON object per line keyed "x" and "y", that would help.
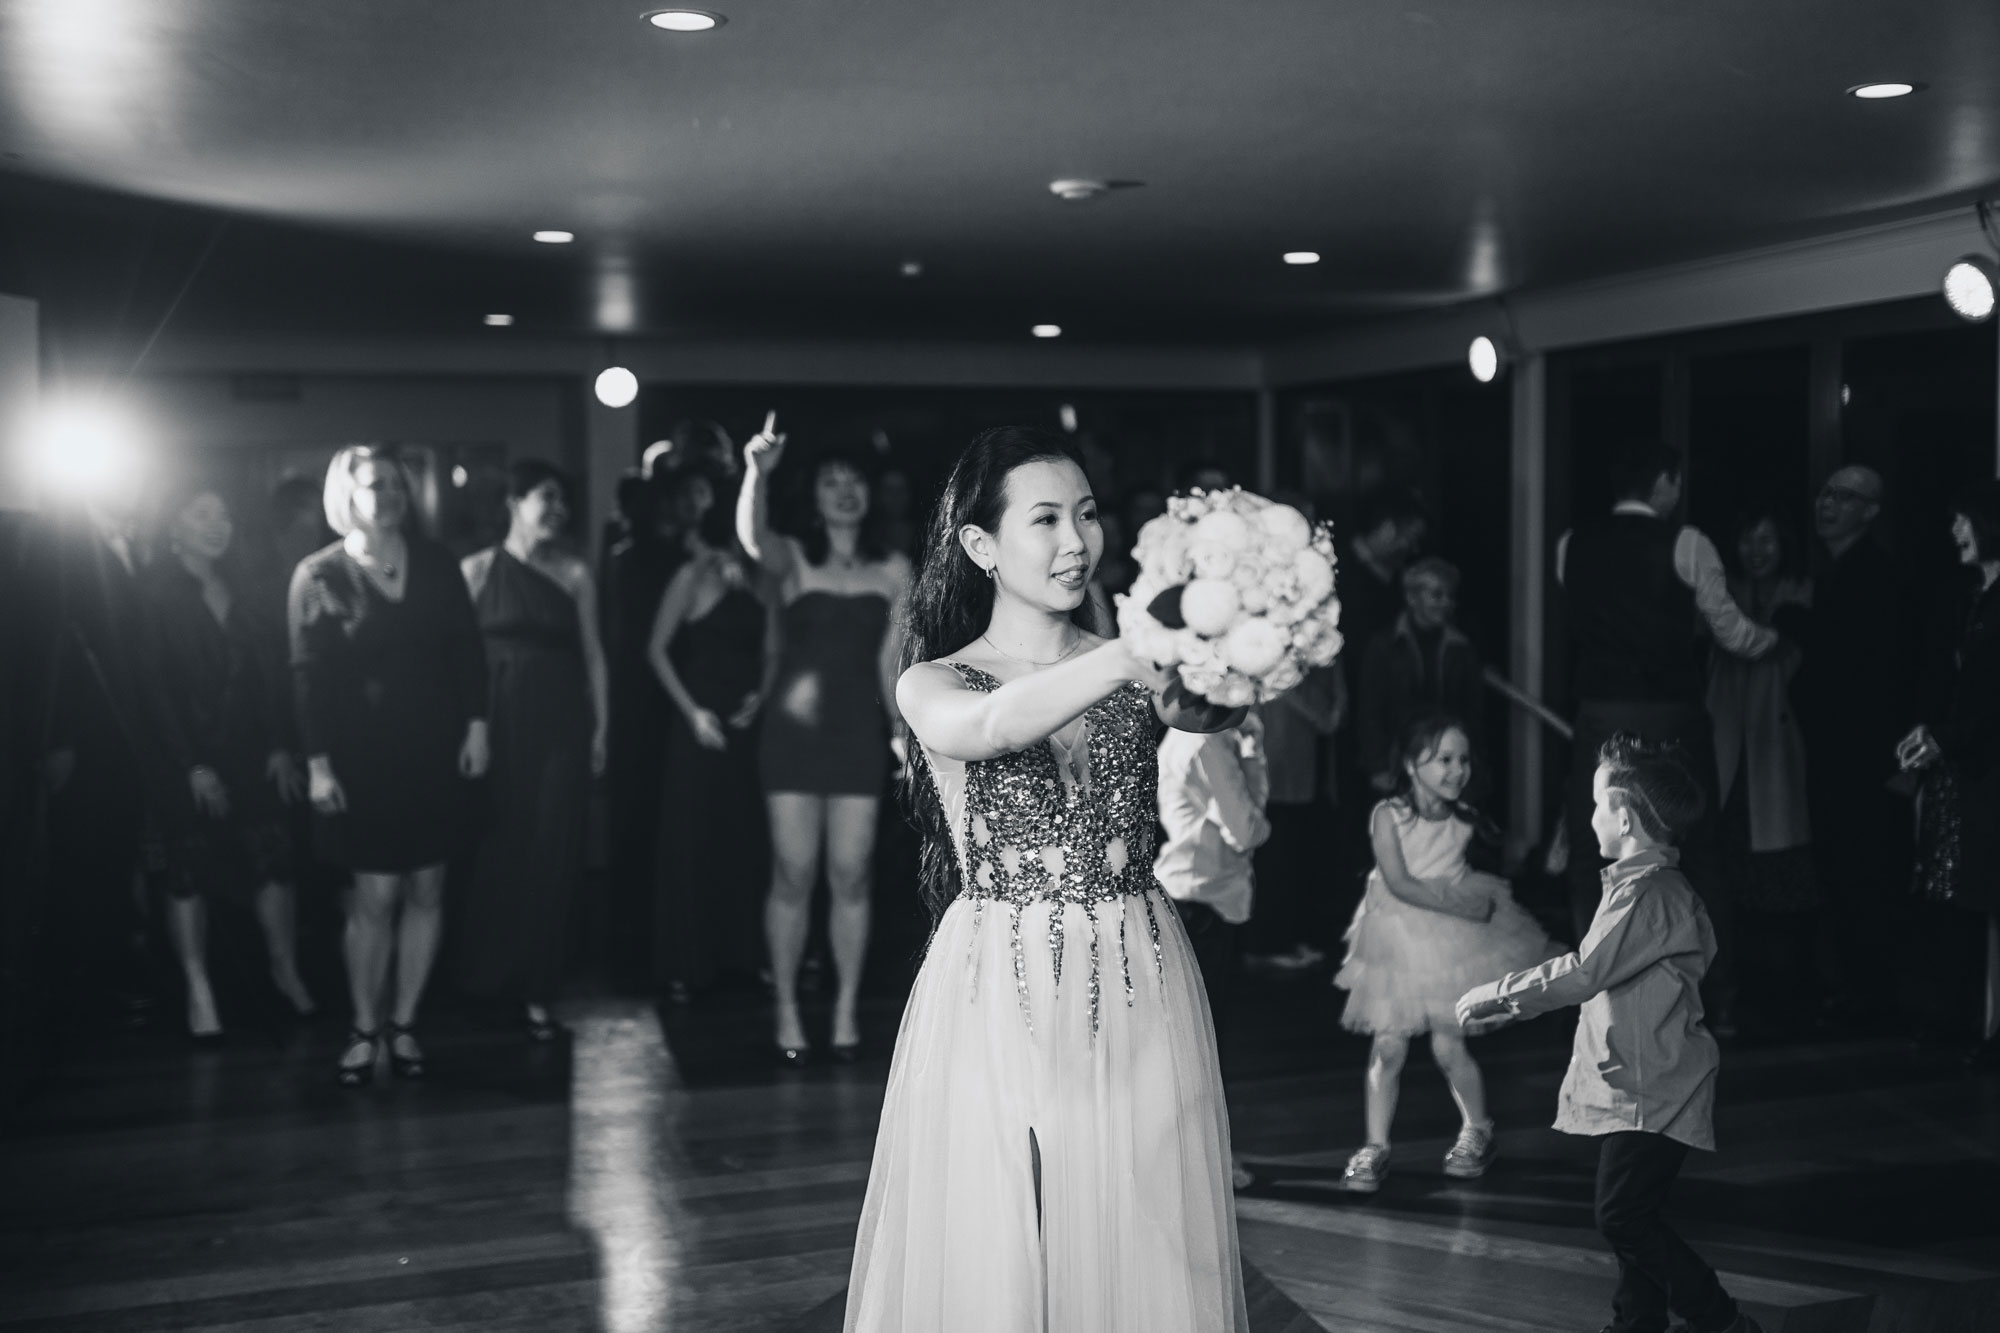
{"x": 1625, "y": 940}
{"x": 967, "y": 724}
{"x": 753, "y": 502}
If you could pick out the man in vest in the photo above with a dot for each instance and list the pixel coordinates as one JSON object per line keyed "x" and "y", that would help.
{"x": 1638, "y": 588}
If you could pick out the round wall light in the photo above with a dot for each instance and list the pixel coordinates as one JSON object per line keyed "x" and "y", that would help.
{"x": 685, "y": 20}
{"x": 1487, "y": 357}
{"x": 1969, "y": 287}
{"x": 616, "y": 386}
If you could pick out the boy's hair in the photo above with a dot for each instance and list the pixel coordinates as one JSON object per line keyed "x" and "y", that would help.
{"x": 1639, "y": 463}
{"x": 1667, "y": 799}
{"x": 1434, "y": 568}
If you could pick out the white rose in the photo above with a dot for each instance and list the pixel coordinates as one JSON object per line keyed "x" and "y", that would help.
{"x": 1153, "y": 643}
{"x": 1284, "y": 676}
{"x": 1191, "y": 650}
{"x": 1209, "y": 606}
{"x": 1221, "y": 528}
{"x": 1204, "y": 681}
{"x": 1254, "y": 647}
{"x": 1247, "y": 574}
{"x": 1212, "y": 560}
{"x": 1254, "y": 599}
{"x": 1288, "y": 612}
{"x": 1284, "y": 527}
{"x": 1234, "y": 691}
{"x": 1315, "y": 576}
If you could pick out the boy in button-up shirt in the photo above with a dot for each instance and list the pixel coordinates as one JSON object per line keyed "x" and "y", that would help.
{"x": 1642, "y": 1075}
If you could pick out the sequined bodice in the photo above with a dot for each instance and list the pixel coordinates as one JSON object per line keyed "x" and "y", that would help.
{"x": 1035, "y": 828}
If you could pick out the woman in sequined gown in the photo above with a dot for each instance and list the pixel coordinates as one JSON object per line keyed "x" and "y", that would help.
{"x": 1054, "y": 1148}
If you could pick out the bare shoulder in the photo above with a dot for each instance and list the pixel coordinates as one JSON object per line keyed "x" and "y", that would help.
{"x": 571, "y": 570}
{"x": 476, "y": 565}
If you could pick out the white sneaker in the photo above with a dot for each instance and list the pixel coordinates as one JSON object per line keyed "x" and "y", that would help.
{"x": 1367, "y": 1169}
{"x": 1472, "y": 1154}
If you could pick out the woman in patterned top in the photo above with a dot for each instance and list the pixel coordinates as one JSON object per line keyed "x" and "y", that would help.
{"x": 1054, "y": 1149}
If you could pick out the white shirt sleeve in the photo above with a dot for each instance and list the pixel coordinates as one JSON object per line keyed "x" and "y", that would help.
{"x": 1697, "y": 564}
{"x": 1232, "y": 807}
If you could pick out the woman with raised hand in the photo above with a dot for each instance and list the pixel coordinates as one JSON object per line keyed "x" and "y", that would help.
{"x": 825, "y": 748}
{"x": 1054, "y": 1147}
{"x": 537, "y": 608}
{"x": 391, "y": 696}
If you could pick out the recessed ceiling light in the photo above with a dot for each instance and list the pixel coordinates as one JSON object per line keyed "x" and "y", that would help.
{"x": 912, "y": 269}
{"x": 1876, "y": 92}
{"x": 685, "y": 20}
{"x": 498, "y": 321}
{"x": 1047, "y": 330}
{"x": 555, "y": 237}
{"x": 1301, "y": 256}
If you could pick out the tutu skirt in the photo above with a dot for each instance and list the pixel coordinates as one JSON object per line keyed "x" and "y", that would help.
{"x": 1406, "y": 966}
{"x": 998, "y": 1073}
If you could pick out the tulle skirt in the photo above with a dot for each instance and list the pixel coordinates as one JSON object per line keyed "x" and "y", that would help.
{"x": 1407, "y": 966}
{"x": 1136, "y": 1227}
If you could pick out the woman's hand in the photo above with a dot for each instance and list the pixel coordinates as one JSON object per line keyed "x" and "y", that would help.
{"x": 600, "y": 749}
{"x": 1146, "y": 672}
{"x": 282, "y": 771}
{"x": 746, "y": 712}
{"x": 473, "y": 755}
{"x": 322, "y": 788}
{"x": 766, "y": 448}
{"x": 707, "y": 728}
{"x": 210, "y": 796}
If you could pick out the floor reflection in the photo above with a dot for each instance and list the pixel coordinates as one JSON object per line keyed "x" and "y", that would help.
{"x": 621, "y": 1183}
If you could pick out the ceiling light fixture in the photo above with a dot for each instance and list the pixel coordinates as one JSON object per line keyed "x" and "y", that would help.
{"x": 1047, "y": 330}
{"x": 912, "y": 269}
{"x": 1301, "y": 256}
{"x": 685, "y": 20}
{"x": 555, "y": 237}
{"x": 616, "y": 386}
{"x": 1083, "y": 189}
{"x": 1880, "y": 92}
{"x": 498, "y": 321}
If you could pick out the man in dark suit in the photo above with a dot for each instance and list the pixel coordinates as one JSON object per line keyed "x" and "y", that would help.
{"x": 1855, "y": 699}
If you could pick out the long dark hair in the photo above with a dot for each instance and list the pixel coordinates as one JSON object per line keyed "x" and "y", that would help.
{"x": 1421, "y": 737}
{"x": 868, "y": 544}
{"x": 950, "y": 603}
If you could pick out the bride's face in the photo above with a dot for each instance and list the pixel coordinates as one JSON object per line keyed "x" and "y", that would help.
{"x": 1049, "y": 540}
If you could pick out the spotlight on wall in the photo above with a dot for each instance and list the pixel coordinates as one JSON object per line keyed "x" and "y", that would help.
{"x": 1969, "y": 288}
{"x": 617, "y": 386}
{"x": 1488, "y": 357}
{"x": 913, "y": 268}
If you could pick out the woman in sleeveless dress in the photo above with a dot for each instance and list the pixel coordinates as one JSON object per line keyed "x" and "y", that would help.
{"x": 825, "y": 748}
{"x": 537, "y": 609}
{"x": 1054, "y": 1147}
{"x": 714, "y": 647}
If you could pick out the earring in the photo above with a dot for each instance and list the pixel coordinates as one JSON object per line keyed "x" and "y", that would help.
{"x": 989, "y": 571}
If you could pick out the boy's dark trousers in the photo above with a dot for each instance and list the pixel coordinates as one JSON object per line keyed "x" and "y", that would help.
{"x": 1656, "y": 1269}
{"x": 1214, "y": 942}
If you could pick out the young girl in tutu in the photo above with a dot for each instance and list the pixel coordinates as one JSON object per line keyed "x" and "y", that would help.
{"x": 1428, "y": 927}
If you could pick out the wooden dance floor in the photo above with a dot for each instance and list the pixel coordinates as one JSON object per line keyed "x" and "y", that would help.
{"x": 654, "y": 1172}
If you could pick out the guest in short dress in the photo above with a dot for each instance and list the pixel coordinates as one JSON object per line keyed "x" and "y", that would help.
{"x": 391, "y": 692}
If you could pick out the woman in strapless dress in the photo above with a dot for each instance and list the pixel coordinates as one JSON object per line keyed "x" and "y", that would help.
{"x": 825, "y": 748}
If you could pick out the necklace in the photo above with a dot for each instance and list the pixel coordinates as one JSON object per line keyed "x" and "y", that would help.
{"x": 1029, "y": 661}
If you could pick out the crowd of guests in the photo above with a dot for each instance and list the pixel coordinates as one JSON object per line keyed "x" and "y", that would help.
{"x": 348, "y": 705}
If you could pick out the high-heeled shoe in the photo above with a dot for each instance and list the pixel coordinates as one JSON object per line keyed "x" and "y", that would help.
{"x": 361, "y": 1075}
{"x": 404, "y": 1066}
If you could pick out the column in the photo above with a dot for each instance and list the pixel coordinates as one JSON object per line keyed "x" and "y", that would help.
{"x": 1528, "y": 604}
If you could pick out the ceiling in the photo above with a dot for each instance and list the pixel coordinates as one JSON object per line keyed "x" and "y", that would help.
{"x": 378, "y": 165}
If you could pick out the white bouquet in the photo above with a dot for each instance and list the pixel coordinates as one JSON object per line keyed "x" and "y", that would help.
{"x": 1236, "y": 593}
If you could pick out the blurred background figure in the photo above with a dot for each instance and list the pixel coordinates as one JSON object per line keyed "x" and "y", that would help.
{"x": 715, "y": 648}
{"x": 1855, "y": 694}
{"x": 1956, "y": 749}
{"x": 1422, "y": 665}
{"x": 824, "y": 754}
{"x": 392, "y": 699}
{"x": 636, "y": 575}
{"x": 548, "y": 725}
{"x": 219, "y": 701}
{"x": 1765, "y": 831}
